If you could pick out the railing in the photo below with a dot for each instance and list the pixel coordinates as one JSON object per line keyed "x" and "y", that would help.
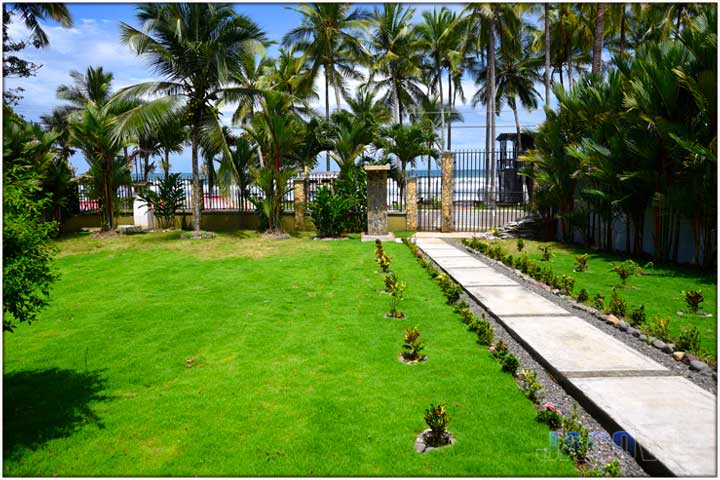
{"x": 230, "y": 199}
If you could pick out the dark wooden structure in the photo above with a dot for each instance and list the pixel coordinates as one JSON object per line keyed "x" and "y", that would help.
{"x": 511, "y": 184}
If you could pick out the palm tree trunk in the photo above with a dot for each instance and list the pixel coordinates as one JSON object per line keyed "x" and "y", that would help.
{"x": 108, "y": 195}
{"x": 166, "y": 165}
{"x": 491, "y": 101}
{"x": 513, "y": 107}
{"x": 547, "y": 57}
{"x": 442, "y": 112}
{"x": 327, "y": 111}
{"x": 396, "y": 109}
{"x": 197, "y": 200}
{"x": 598, "y": 43}
{"x": 449, "y": 122}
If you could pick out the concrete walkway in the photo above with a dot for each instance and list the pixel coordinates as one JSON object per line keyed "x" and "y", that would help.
{"x": 671, "y": 419}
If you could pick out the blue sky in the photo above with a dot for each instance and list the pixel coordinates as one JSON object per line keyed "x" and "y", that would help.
{"x": 95, "y": 40}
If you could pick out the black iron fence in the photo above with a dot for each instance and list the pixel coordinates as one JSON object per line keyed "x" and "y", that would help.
{"x": 488, "y": 192}
{"x": 215, "y": 198}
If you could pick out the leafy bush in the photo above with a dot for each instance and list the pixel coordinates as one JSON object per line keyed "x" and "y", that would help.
{"x": 689, "y": 340}
{"x": 546, "y": 253}
{"x": 530, "y": 385}
{"x": 617, "y": 306}
{"x": 413, "y": 346}
{"x": 499, "y": 350}
{"x": 637, "y": 316}
{"x": 378, "y": 249}
{"x": 397, "y": 294}
{"x": 485, "y": 332}
{"x": 169, "y": 198}
{"x": 547, "y": 276}
{"x": 391, "y": 281}
{"x": 567, "y": 284}
{"x": 574, "y": 437}
{"x": 510, "y": 363}
{"x": 611, "y": 469}
{"x": 626, "y": 269}
{"x": 329, "y": 212}
{"x": 460, "y": 306}
{"x": 508, "y": 260}
{"x": 495, "y": 232}
{"x": 658, "y": 327}
{"x": 451, "y": 289}
{"x": 599, "y": 302}
{"x": 694, "y": 298}
{"x": 437, "y": 420}
{"x": 550, "y": 416}
{"x": 583, "y": 295}
{"x": 520, "y": 244}
{"x": 384, "y": 262}
{"x": 351, "y": 185}
{"x": 581, "y": 263}
{"x": 27, "y": 253}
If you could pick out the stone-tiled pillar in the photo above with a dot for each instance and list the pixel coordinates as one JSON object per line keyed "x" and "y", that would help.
{"x": 447, "y": 192}
{"x": 377, "y": 199}
{"x": 299, "y": 195}
{"x": 411, "y": 210}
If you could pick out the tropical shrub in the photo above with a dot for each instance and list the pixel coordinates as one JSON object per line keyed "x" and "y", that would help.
{"x": 689, "y": 340}
{"x": 329, "y": 212}
{"x": 547, "y": 276}
{"x": 550, "y": 416}
{"x": 581, "y": 263}
{"x": 485, "y": 332}
{"x": 397, "y": 294}
{"x": 567, "y": 284}
{"x": 413, "y": 346}
{"x": 546, "y": 253}
{"x": 599, "y": 302}
{"x": 351, "y": 185}
{"x": 390, "y": 281}
{"x": 637, "y": 316}
{"x": 510, "y": 363}
{"x": 626, "y": 269}
{"x": 384, "y": 262}
{"x": 658, "y": 327}
{"x": 583, "y": 295}
{"x": 611, "y": 469}
{"x": 617, "y": 306}
{"x": 437, "y": 420}
{"x": 574, "y": 437}
{"x": 169, "y": 198}
{"x": 694, "y": 298}
{"x": 520, "y": 244}
{"x": 530, "y": 386}
{"x": 499, "y": 350}
{"x": 451, "y": 289}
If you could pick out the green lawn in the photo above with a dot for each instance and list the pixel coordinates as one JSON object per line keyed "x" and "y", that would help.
{"x": 294, "y": 368}
{"x": 659, "y": 290}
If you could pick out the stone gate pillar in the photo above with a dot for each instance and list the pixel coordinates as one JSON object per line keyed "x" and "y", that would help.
{"x": 299, "y": 202}
{"x": 377, "y": 202}
{"x": 447, "y": 192}
{"x": 411, "y": 209}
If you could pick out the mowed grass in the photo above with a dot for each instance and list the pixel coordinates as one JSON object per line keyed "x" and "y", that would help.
{"x": 294, "y": 368}
{"x": 659, "y": 289}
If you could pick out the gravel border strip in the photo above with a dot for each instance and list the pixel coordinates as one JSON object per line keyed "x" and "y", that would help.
{"x": 604, "y": 450}
{"x": 704, "y": 381}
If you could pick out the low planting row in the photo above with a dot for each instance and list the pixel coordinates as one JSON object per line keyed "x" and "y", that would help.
{"x": 573, "y": 438}
{"x": 688, "y": 341}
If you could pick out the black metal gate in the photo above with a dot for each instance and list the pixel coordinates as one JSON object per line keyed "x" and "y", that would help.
{"x": 487, "y": 193}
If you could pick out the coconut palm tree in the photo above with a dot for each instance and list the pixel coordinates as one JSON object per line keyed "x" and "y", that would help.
{"x": 196, "y": 48}
{"x": 290, "y": 74}
{"x": 250, "y": 77}
{"x": 598, "y": 39}
{"x": 352, "y": 136}
{"x": 329, "y": 37}
{"x": 396, "y": 58}
{"x": 95, "y": 85}
{"x": 172, "y": 137}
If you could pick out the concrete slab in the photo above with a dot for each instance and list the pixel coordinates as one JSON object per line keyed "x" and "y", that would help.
{"x": 570, "y": 344}
{"x": 517, "y": 301}
{"x": 671, "y": 417}
{"x": 475, "y": 277}
{"x": 461, "y": 262}
{"x": 444, "y": 252}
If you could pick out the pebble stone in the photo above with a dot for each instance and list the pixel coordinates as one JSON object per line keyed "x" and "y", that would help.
{"x": 697, "y": 365}
{"x": 659, "y": 344}
{"x": 679, "y": 356}
{"x": 623, "y": 326}
{"x": 707, "y": 371}
{"x": 668, "y": 348}
{"x": 643, "y": 337}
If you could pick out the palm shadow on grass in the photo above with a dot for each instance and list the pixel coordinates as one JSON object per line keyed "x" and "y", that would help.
{"x": 42, "y": 405}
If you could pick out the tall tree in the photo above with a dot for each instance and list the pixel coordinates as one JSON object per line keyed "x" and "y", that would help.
{"x": 598, "y": 40}
{"x": 30, "y": 14}
{"x": 196, "y": 48}
{"x": 329, "y": 36}
{"x": 396, "y": 58}
{"x": 546, "y": 23}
